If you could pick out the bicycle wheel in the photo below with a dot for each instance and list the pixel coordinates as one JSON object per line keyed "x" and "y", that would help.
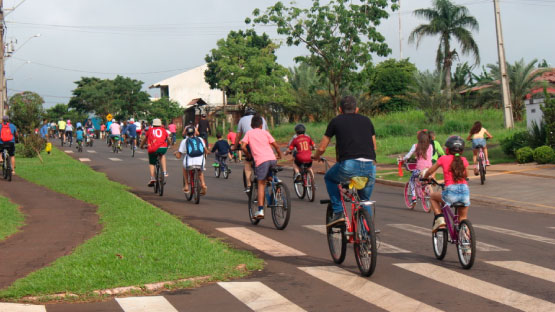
{"x": 133, "y": 149}
{"x": 62, "y": 141}
{"x": 439, "y": 242}
{"x": 197, "y": 187}
{"x": 8, "y": 166}
{"x": 226, "y": 172}
{"x": 4, "y": 167}
{"x": 281, "y": 208}
{"x": 337, "y": 241}
{"x": 466, "y": 247}
{"x": 217, "y": 171}
{"x": 161, "y": 181}
{"x": 425, "y": 199}
{"x": 310, "y": 187}
{"x": 253, "y": 204}
{"x": 366, "y": 252}
{"x": 299, "y": 187}
{"x": 156, "y": 182}
{"x": 188, "y": 195}
{"x": 408, "y": 201}
{"x": 482, "y": 170}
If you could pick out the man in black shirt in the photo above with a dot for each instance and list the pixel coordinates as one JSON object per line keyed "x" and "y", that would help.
{"x": 203, "y": 128}
{"x": 356, "y": 153}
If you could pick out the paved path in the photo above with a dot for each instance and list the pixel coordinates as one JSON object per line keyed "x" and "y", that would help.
{"x": 514, "y": 268}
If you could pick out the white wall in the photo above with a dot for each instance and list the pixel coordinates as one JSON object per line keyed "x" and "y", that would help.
{"x": 533, "y": 112}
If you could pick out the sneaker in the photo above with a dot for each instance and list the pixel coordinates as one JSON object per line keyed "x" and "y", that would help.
{"x": 166, "y": 175}
{"x": 487, "y": 162}
{"x": 438, "y": 223}
{"x": 336, "y": 218}
{"x": 247, "y": 190}
{"x": 151, "y": 183}
{"x": 259, "y": 214}
{"x": 476, "y": 172}
{"x": 298, "y": 177}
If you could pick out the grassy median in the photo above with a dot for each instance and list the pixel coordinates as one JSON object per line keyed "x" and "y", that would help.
{"x": 10, "y": 218}
{"x": 139, "y": 243}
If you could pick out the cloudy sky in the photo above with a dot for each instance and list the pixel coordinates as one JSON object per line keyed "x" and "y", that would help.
{"x": 153, "y": 40}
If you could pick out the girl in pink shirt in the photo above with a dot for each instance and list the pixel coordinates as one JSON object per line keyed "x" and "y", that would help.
{"x": 423, "y": 151}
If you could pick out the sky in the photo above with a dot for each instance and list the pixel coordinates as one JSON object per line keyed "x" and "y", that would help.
{"x": 59, "y": 41}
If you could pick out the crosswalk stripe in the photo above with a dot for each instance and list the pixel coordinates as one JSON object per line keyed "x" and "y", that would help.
{"x": 146, "y": 304}
{"x": 382, "y": 247}
{"x": 259, "y": 297}
{"x": 367, "y": 290}
{"x": 139, "y": 152}
{"x": 478, "y": 287}
{"x": 91, "y": 151}
{"x": 68, "y": 152}
{"x": 536, "y": 238}
{"x": 145, "y": 159}
{"x": 526, "y": 268}
{"x": 18, "y": 307}
{"x": 261, "y": 242}
{"x": 114, "y": 159}
{"x": 481, "y": 246}
{"x": 84, "y": 159}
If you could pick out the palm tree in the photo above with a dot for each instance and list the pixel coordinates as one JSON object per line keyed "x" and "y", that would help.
{"x": 429, "y": 96}
{"x": 448, "y": 21}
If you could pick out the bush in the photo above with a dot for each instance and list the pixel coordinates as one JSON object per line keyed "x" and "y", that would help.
{"x": 514, "y": 142}
{"x": 30, "y": 146}
{"x": 544, "y": 154}
{"x": 524, "y": 155}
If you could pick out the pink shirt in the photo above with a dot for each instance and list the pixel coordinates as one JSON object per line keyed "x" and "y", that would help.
{"x": 259, "y": 142}
{"x": 422, "y": 163}
{"x": 445, "y": 163}
{"x": 172, "y": 128}
{"x": 115, "y": 128}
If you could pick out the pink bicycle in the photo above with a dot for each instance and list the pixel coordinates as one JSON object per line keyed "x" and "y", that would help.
{"x": 422, "y": 191}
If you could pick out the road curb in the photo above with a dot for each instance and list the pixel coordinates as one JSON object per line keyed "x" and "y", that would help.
{"x": 390, "y": 183}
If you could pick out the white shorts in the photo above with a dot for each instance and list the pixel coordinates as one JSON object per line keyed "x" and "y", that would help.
{"x": 198, "y": 161}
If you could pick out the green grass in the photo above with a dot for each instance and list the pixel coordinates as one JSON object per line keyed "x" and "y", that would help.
{"x": 11, "y": 219}
{"x": 139, "y": 243}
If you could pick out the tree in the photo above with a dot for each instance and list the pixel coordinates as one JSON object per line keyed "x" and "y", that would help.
{"x": 522, "y": 80}
{"x": 340, "y": 37}
{"x": 244, "y": 65}
{"x": 165, "y": 109}
{"x": 392, "y": 79}
{"x": 429, "y": 96}
{"x": 462, "y": 77}
{"x": 308, "y": 93}
{"x": 448, "y": 21}
{"x": 62, "y": 111}
{"x": 548, "y": 110}
{"x": 26, "y": 111}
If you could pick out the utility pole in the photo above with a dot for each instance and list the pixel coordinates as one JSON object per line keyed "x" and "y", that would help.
{"x": 507, "y": 108}
{"x": 400, "y": 34}
{"x": 2, "y": 73}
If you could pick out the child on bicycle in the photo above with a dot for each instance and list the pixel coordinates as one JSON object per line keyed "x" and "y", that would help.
{"x": 423, "y": 151}
{"x": 303, "y": 145}
{"x": 478, "y": 136}
{"x": 194, "y": 150}
{"x": 157, "y": 140}
{"x": 454, "y": 173}
{"x": 79, "y": 134}
{"x": 260, "y": 143}
{"x": 222, "y": 150}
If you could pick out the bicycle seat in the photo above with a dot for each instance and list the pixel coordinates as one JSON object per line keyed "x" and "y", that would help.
{"x": 305, "y": 166}
{"x": 479, "y": 146}
{"x": 277, "y": 169}
{"x": 458, "y": 205}
{"x": 358, "y": 183}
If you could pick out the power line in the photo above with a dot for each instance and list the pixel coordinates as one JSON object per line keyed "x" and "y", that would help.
{"x": 43, "y": 95}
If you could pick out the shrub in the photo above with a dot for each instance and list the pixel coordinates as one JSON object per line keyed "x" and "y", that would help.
{"x": 524, "y": 155}
{"x": 544, "y": 154}
{"x": 31, "y": 145}
{"x": 538, "y": 134}
{"x": 514, "y": 142}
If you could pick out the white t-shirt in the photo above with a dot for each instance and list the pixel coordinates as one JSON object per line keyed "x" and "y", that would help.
{"x": 191, "y": 161}
{"x": 244, "y": 124}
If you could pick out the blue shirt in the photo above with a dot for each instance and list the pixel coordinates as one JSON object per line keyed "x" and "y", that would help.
{"x": 124, "y": 129}
{"x": 13, "y": 129}
{"x": 222, "y": 147}
{"x": 44, "y": 131}
{"x": 108, "y": 124}
{"x": 132, "y": 130}
{"x": 79, "y": 134}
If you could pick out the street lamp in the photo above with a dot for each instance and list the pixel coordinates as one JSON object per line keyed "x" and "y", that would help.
{"x": 11, "y": 50}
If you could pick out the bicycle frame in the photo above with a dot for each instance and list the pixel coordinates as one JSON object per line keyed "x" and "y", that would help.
{"x": 273, "y": 184}
{"x": 451, "y": 222}
{"x": 351, "y": 225}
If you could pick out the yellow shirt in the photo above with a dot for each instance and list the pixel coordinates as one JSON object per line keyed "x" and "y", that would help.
{"x": 61, "y": 125}
{"x": 481, "y": 134}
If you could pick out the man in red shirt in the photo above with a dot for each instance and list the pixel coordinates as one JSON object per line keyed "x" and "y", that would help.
{"x": 158, "y": 141}
{"x": 303, "y": 145}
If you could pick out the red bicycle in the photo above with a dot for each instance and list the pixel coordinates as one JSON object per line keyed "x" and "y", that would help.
{"x": 193, "y": 175}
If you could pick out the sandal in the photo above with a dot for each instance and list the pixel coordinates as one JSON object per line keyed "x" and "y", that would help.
{"x": 203, "y": 190}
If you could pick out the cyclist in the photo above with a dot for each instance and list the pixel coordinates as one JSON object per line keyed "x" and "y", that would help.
{"x": 132, "y": 132}
{"x": 123, "y": 132}
{"x": 455, "y": 173}
{"x": 231, "y": 136}
{"x": 194, "y": 150}
{"x": 356, "y": 154}
{"x": 243, "y": 127}
{"x": 261, "y": 143}
{"x": 115, "y": 131}
{"x": 79, "y": 134}
{"x": 222, "y": 150}
{"x": 8, "y": 134}
{"x": 102, "y": 131}
{"x": 52, "y": 131}
{"x": 203, "y": 128}
{"x": 478, "y": 136}
{"x": 303, "y": 145}
{"x": 424, "y": 151}
{"x": 69, "y": 132}
{"x": 44, "y": 130}
{"x": 157, "y": 140}
{"x": 62, "y": 128}
{"x": 173, "y": 130}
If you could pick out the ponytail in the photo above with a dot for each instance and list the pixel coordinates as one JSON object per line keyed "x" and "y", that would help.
{"x": 457, "y": 168}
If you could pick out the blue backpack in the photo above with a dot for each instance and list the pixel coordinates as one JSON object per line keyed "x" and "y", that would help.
{"x": 195, "y": 147}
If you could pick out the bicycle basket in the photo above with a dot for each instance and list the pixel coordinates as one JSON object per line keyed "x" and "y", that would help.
{"x": 410, "y": 166}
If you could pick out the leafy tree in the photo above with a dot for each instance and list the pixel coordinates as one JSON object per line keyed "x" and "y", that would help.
{"x": 543, "y": 64}
{"x": 308, "y": 93}
{"x": 428, "y": 94}
{"x": 26, "y": 111}
{"x": 62, "y": 111}
{"x": 448, "y": 21}
{"x": 392, "y": 79}
{"x": 462, "y": 77}
{"x": 244, "y": 65}
{"x": 548, "y": 110}
{"x": 340, "y": 36}
{"x": 165, "y": 109}
{"x": 522, "y": 80}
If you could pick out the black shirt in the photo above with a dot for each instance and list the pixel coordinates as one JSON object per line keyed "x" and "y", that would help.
{"x": 203, "y": 126}
{"x": 353, "y": 136}
{"x": 222, "y": 147}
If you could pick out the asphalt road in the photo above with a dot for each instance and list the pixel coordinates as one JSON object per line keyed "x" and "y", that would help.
{"x": 514, "y": 268}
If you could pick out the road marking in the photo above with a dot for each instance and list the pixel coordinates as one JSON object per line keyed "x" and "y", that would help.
{"x": 91, "y": 151}
{"x": 114, "y": 159}
{"x": 552, "y": 227}
{"x": 478, "y": 287}
{"x": 69, "y": 152}
{"x": 259, "y": 297}
{"x": 382, "y": 247}
{"x": 366, "y": 290}
{"x": 511, "y": 200}
{"x": 139, "y": 152}
{"x": 18, "y": 307}
{"x": 516, "y": 234}
{"x": 526, "y": 268}
{"x": 84, "y": 159}
{"x": 145, "y": 159}
{"x": 146, "y": 304}
{"x": 261, "y": 242}
{"x": 481, "y": 246}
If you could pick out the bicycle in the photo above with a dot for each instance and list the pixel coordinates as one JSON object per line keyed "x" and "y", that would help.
{"x": 116, "y": 148}
{"x": 62, "y": 139}
{"x": 358, "y": 229}
{"x": 421, "y": 191}
{"x": 193, "y": 174}
{"x": 277, "y": 199}
{"x": 220, "y": 167}
{"x": 481, "y": 159}
{"x": 69, "y": 138}
{"x": 460, "y": 233}
{"x": 132, "y": 144}
{"x": 6, "y": 165}
{"x": 90, "y": 140}
{"x": 80, "y": 146}
{"x": 235, "y": 156}
{"x": 305, "y": 186}
{"x": 159, "y": 176}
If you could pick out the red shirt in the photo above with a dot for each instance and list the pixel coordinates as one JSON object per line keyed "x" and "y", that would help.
{"x": 303, "y": 144}
{"x": 445, "y": 163}
{"x": 231, "y": 136}
{"x": 156, "y": 137}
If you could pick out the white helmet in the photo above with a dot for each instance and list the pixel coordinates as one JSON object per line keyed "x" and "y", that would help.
{"x": 114, "y": 120}
{"x": 132, "y": 120}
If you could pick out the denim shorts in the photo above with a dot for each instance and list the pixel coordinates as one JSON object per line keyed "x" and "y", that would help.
{"x": 476, "y": 142}
{"x": 456, "y": 193}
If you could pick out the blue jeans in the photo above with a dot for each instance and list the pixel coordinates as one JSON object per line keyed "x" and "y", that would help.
{"x": 343, "y": 172}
